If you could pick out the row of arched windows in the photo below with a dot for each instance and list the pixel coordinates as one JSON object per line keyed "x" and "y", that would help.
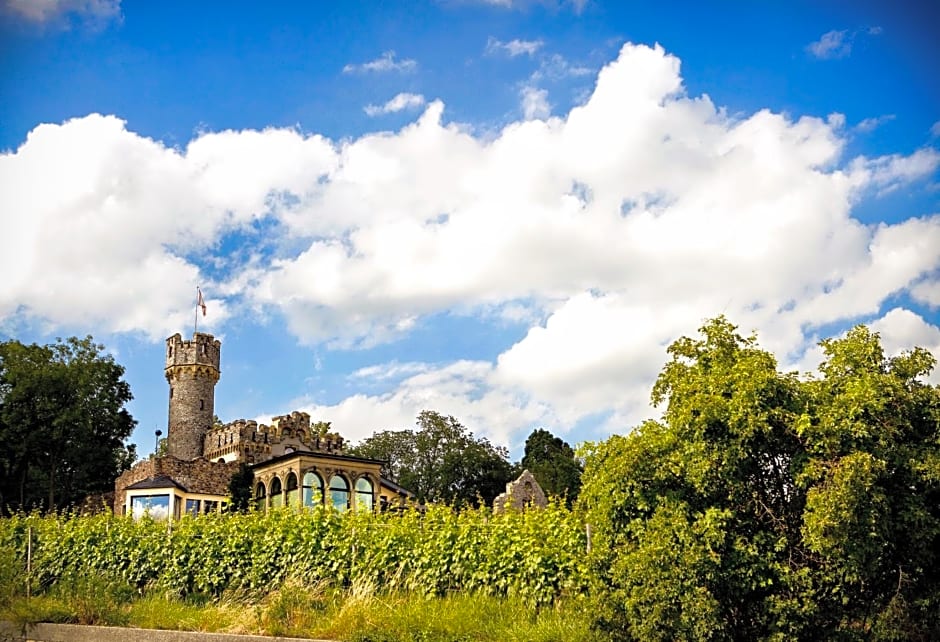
{"x": 311, "y": 492}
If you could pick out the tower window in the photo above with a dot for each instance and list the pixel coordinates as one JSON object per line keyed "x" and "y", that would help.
{"x": 171, "y": 393}
{"x": 202, "y": 404}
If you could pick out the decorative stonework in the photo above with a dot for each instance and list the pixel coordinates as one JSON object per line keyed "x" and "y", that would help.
{"x": 521, "y": 494}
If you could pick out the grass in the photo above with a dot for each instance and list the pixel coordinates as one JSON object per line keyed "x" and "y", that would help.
{"x": 359, "y": 613}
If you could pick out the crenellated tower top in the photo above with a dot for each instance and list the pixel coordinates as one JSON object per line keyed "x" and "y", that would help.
{"x": 203, "y": 350}
{"x": 192, "y": 370}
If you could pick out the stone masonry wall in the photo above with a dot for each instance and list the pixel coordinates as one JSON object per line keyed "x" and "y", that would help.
{"x": 192, "y": 370}
{"x": 259, "y": 442}
{"x": 523, "y": 493}
{"x": 197, "y": 476}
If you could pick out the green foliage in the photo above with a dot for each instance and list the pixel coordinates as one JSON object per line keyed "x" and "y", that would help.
{"x": 239, "y": 489}
{"x": 299, "y": 609}
{"x": 764, "y": 506}
{"x": 441, "y": 461}
{"x": 554, "y": 464}
{"x": 62, "y": 423}
{"x": 534, "y": 556}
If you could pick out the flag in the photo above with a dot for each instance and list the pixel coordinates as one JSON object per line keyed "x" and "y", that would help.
{"x": 200, "y": 301}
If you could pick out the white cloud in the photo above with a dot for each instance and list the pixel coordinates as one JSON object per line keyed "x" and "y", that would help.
{"x": 102, "y": 219}
{"x": 935, "y": 129}
{"x": 888, "y": 173}
{"x": 832, "y": 44}
{"x": 514, "y": 47}
{"x": 557, "y": 67}
{"x": 387, "y": 371}
{"x": 901, "y": 329}
{"x": 836, "y": 120}
{"x": 838, "y": 43}
{"x": 534, "y": 103}
{"x": 95, "y": 12}
{"x": 871, "y": 124}
{"x": 927, "y": 292}
{"x": 385, "y": 62}
{"x": 609, "y": 230}
{"x": 462, "y": 389}
{"x": 400, "y": 102}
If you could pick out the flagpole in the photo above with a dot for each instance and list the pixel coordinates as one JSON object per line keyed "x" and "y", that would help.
{"x": 196, "y": 313}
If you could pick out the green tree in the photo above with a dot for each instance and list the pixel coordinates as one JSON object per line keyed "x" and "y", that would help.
{"x": 441, "y": 461}
{"x": 394, "y": 448}
{"x": 239, "y": 489}
{"x": 554, "y": 464}
{"x": 62, "y": 423}
{"x": 872, "y": 517}
{"x": 764, "y": 506}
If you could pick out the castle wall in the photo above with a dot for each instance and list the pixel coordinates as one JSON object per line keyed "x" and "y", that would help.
{"x": 197, "y": 476}
{"x": 253, "y": 442}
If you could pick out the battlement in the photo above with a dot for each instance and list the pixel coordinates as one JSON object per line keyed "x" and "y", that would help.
{"x": 253, "y": 442}
{"x": 192, "y": 370}
{"x": 202, "y": 350}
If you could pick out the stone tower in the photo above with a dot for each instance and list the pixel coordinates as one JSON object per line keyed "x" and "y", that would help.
{"x": 192, "y": 370}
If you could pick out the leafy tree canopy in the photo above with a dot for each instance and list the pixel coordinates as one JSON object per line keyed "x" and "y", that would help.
{"x": 239, "y": 489}
{"x": 554, "y": 464}
{"x": 766, "y": 506}
{"x": 62, "y": 423}
{"x": 440, "y": 461}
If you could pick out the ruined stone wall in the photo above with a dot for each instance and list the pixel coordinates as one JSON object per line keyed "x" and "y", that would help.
{"x": 197, "y": 476}
{"x": 192, "y": 370}
{"x": 521, "y": 494}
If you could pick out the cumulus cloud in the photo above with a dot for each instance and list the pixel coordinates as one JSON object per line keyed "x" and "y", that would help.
{"x": 400, "y": 102}
{"x": 607, "y": 231}
{"x": 927, "y": 292}
{"x": 462, "y": 389}
{"x": 901, "y": 329}
{"x": 102, "y": 220}
{"x": 514, "y": 47}
{"x": 384, "y": 63}
{"x": 534, "y": 103}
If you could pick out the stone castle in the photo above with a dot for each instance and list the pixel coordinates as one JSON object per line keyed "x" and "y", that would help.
{"x": 292, "y": 461}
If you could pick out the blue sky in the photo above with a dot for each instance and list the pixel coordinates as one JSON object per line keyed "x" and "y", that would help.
{"x": 501, "y": 210}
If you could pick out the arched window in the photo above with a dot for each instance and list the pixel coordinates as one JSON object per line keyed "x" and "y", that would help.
{"x": 339, "y": 493}
{"x": 277, "y": 499}
{"x": 292, "y": 491}
{"x": 364, "y": 496}
{"x": 313, "y": 489}
{"x": 260, "y": 494}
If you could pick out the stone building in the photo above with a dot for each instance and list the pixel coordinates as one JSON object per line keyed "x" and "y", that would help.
{"x": 293, "y": 462}
{"x": 521, "y": 494}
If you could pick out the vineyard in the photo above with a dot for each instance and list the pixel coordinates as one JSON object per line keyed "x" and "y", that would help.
{"x": 536, "y": 556}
